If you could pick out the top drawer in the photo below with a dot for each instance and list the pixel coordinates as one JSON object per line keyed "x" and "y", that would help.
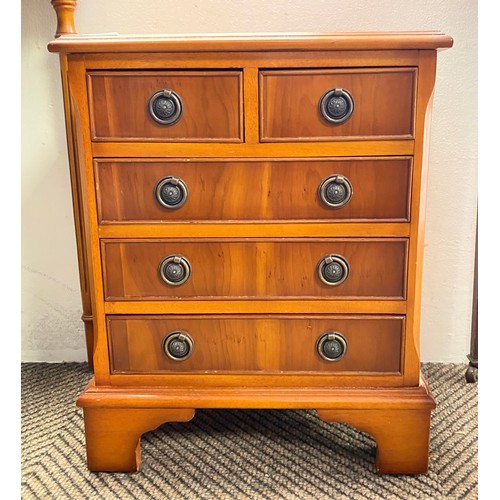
{"x": 342, "y": 104}
{"x": 190, "y": 106}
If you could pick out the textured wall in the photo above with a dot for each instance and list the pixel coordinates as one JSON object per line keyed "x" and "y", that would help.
{"x": 51, "y": 327}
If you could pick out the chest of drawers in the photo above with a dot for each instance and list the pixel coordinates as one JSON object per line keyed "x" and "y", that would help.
{"x": 249, "y": 215}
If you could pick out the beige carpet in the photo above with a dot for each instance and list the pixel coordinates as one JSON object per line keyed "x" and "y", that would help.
{"x": 251, "y": 454}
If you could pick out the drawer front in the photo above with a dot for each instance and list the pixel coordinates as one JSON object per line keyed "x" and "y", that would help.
{"x": 249, "y": 268}
{"x": 382, "y": 104}
{"x": 376, "y": 189}
{"x": 206, "y": 106}
{"x": 249, "y": 343}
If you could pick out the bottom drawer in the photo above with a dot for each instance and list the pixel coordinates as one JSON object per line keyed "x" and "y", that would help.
{"x": 250, "y": 343}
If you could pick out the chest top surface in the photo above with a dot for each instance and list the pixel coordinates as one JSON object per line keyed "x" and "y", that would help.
{"x": 246, "y": 42}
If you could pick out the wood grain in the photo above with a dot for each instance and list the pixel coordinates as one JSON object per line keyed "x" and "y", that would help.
{"x": 77, "y": 92}
{"x": 250, "y": 59}
{"x": 426, "y": 79}
{"x": 71, "y": 118}
{"x": 255, "y": 228}
{"x": 212, "y": 105}
{"x": 260, "y": 344}
{"x": 402, "y": 436}
{"x": 383, "y": 104}
{"x": 268, "y": 42}
{"x": 256, "y": 306}
{"x": 400, "y": 147}
{"x": 241, "y": 190}
{"x": 113, "y": 435}
{"x": 398, "y": 418}
{"x": 248, "y": 268}
{"x": 240, "y": 395}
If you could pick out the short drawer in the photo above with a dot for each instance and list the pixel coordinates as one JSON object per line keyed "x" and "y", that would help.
{"x": 232, "y": 190}
{"x": 337, "y": 104}
{"x": 193, "y": 106}
{"x": 152, "y": 344}
{"x": 220, "y": 268}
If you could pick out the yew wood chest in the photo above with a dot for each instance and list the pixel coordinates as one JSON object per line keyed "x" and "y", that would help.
{"x": 249, "y": 213}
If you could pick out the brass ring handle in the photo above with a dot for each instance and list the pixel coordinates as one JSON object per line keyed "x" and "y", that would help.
{"x": 171, "y": 192}
{"x": 333, "y": 269}
{"x": 336, "y": 105}
{"x": 175, "y": 270}
{"x": 165, "y": 107}
{"x": 335, "y": 191}
{"x": 331, "y": 346}
{"x": 178, "y": 345}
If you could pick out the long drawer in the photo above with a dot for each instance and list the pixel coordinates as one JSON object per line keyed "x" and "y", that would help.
{"x": 289, "y": 268}
{"x": 221, "y": 190}
{"x": 152, "y": 344}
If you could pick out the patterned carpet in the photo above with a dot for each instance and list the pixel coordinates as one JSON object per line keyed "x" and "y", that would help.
{"x": 251, "y": 454}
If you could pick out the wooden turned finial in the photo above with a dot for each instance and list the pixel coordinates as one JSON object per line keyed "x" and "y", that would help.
{"x": 65, "y": 16}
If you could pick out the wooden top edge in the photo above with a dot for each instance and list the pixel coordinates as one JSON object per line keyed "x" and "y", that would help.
{"x": 245, "y": 42}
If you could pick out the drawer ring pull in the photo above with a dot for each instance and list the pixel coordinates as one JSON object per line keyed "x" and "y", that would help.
{"x": 336, "y": 105}
{"x": 165, "y": 107}
{"x": 175, "y": 270}
{"x": 333, "y": 269}
{"x": 335, "y": 191}
{"x": 178, "y": 345}
{"x": 331, "y": 346}
{"x": 171, "y": 192}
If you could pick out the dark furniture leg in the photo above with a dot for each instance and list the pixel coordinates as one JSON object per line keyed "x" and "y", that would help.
{"x": 471, "y": 373}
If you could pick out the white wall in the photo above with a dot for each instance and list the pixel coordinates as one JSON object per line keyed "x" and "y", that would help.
{"x": 51, "y": 327}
